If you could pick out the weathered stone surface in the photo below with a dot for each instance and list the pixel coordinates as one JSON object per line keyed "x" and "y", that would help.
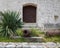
{"x": 10, "y": 46}
{"x": 29, "y": 45}
{"x": 46, "y": 9}
{"x": 51, "y": 45}
{"x": 19, "y": 46}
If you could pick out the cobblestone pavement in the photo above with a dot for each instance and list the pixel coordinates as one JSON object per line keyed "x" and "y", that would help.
{"x": 29, "y": 45}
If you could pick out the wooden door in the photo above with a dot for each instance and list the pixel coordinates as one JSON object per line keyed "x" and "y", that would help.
{"x": 29, "y": 14}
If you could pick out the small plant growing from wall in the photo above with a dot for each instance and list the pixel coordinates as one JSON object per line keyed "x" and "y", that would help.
{"x": 56, "y": 17}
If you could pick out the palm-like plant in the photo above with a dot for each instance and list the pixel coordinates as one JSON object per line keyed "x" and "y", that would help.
{"x": 10, "y": 21}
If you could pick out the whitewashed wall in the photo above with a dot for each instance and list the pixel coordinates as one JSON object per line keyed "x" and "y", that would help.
{"x": 46, "y": 9}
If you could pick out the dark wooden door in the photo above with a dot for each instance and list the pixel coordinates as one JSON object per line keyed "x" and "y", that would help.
{"x": 29, "y": 14}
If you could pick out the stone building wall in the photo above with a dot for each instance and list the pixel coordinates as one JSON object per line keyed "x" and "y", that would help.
{"x": 46, "y": 9}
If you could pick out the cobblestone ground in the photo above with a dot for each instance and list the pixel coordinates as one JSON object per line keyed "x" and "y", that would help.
{"x": 29, "y": 45}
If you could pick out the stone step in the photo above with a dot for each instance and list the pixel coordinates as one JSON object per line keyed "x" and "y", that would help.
{"x": 24, "y": 28}
{"x": 30, "y": 25}
{"x": 26, "y": 25}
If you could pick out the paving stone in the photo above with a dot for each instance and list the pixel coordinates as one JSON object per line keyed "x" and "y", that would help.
{"x": 5, "y": 43}
{"x": 51, "y": 45}
{"x": 19, "y": 46}
{"x": 35, "y": 43}
{"x": 1, "y": 46}
{"x": 11, "y": 46}
{"x": 12, "y": 43}
{"x": 33, "y": 46}
{"x": 25, "y": 45}
{"x": 58, "y": 45}
{"x": 42, "y": 46}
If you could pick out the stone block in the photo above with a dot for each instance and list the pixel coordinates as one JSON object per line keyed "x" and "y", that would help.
{"x": 51, "y": 45}
{"x": 10, "y": 46}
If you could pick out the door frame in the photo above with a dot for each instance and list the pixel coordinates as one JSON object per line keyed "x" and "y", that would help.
{"x": 31, "y": 5}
